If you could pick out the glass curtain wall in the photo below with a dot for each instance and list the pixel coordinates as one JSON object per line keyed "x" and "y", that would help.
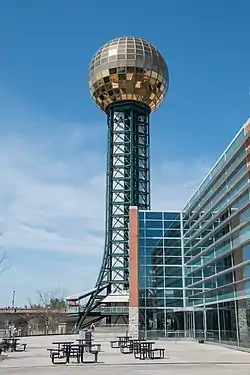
{"x": 160, "y": 273}
{"x": 194, "y": 266}
{"x": 216, "y": 246}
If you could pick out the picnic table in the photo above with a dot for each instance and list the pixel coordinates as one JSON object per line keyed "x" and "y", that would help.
{"x": 129, "y": 346}
{"x": 62, "y": 352}
{"x": 144, "y": 350}
{"x": 123, "y": 338}
{"x": 69, "y": 349}
{"x": 141, "y": 348}
{"x": 13, "y": 342}
{"x": 120, "y": 341}
{"x": 62, "y": 344}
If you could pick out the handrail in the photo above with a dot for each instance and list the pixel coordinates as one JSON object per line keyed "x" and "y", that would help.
{"x": 16, "y": 310}
{"x": 77, "y": 309}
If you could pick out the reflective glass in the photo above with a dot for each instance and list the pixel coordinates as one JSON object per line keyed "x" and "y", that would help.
{"x": 171, "y": 216}
{"x": 141, "y": 215}
{"x": 172, "y": 224}
{"x": 153, "y": 224}
{"x": 154, "y": 233}
{"x": 151, "y": 215}
{"x": 246, "y": 252}
{"x": 172, "y": 233}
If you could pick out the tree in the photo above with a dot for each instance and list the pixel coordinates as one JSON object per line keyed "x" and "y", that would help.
{"x": 51, "y": 309}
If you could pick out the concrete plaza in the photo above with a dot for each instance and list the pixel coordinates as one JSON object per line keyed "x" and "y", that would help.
{"x": 182, "y": 358}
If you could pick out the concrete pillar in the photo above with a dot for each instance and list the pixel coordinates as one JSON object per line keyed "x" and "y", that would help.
{"x": 134, "y": 322}
{"x": 243, "y": 328}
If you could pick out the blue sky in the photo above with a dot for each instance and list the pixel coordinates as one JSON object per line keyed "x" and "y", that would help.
{"x": 53, "y": 138}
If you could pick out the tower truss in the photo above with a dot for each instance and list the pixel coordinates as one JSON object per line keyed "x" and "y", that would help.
{"x": 127, "y": 184}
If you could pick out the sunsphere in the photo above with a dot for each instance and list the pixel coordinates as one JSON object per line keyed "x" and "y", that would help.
{"x": 128, "y": 68}
{"x": 128, "y": 79}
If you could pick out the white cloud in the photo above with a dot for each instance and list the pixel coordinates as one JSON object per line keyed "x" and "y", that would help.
{"x": 51, "y": 201}
{"x": 56, "y": 201}
{"x": 174, "y": 182}
{"x": 52, "y": 190}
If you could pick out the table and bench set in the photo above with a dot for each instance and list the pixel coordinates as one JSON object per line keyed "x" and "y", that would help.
{"x": 141, "y": 348}
{"x": 66, "y": 350}
{"x": 11, "y": 344}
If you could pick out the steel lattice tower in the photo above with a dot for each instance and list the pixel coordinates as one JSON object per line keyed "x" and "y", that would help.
{"x": 127, "y": 184}
{"x": 128, "y": 79}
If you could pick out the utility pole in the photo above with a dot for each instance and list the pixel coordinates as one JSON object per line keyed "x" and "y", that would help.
{"x": 13, "y": 299}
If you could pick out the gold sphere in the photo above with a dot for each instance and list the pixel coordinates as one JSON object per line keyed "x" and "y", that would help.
{"x": 128, "y": 69}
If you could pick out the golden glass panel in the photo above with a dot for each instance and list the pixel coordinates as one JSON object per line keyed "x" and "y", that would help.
{"x": 109, "y": 86}
{"x": 121, "y": 76}
{"x": 160, "y": 78}
{"x": 129, "y": 76}
{"x": 104, "y": 60}
{"x": 105, "y": 73}
{"x": 112, "y": 58}
{"x": 98, "y": 76}
{"x": 152, "y": 81}
{"x": 121, "y": 69}
{"x": 100, "y": 82}
{"x": 113, "y": 77}
{"x": 112, "y": 52}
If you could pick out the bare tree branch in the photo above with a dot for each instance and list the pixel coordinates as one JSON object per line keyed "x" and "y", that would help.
{"x": 51, "y": 308}
{"x": 3, "y": 258}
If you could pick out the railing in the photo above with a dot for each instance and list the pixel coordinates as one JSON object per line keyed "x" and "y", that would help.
{"x": 101, "y": 310}
{"x": 23, "y": 310}
{"x": 118, "y": 326}
{"x": 112, "y": 309}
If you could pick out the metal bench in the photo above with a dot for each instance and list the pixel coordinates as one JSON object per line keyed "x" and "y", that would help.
{"x": 156, "y": 353}
{"x": 126, "y": 349}
{"x": 115, "y": 344}
{"x": 95, "y": 353}
{"x": 95, "y": 347}
{"x": 58, "y": 356}
{"x": 21, "y": 347}
{"x": 75, "y": 352}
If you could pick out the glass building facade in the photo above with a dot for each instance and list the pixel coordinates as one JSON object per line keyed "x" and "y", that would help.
{"x": 160, "y": 273}
{"x": 194, "y": 265}
{"x": 216, "y": 246}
